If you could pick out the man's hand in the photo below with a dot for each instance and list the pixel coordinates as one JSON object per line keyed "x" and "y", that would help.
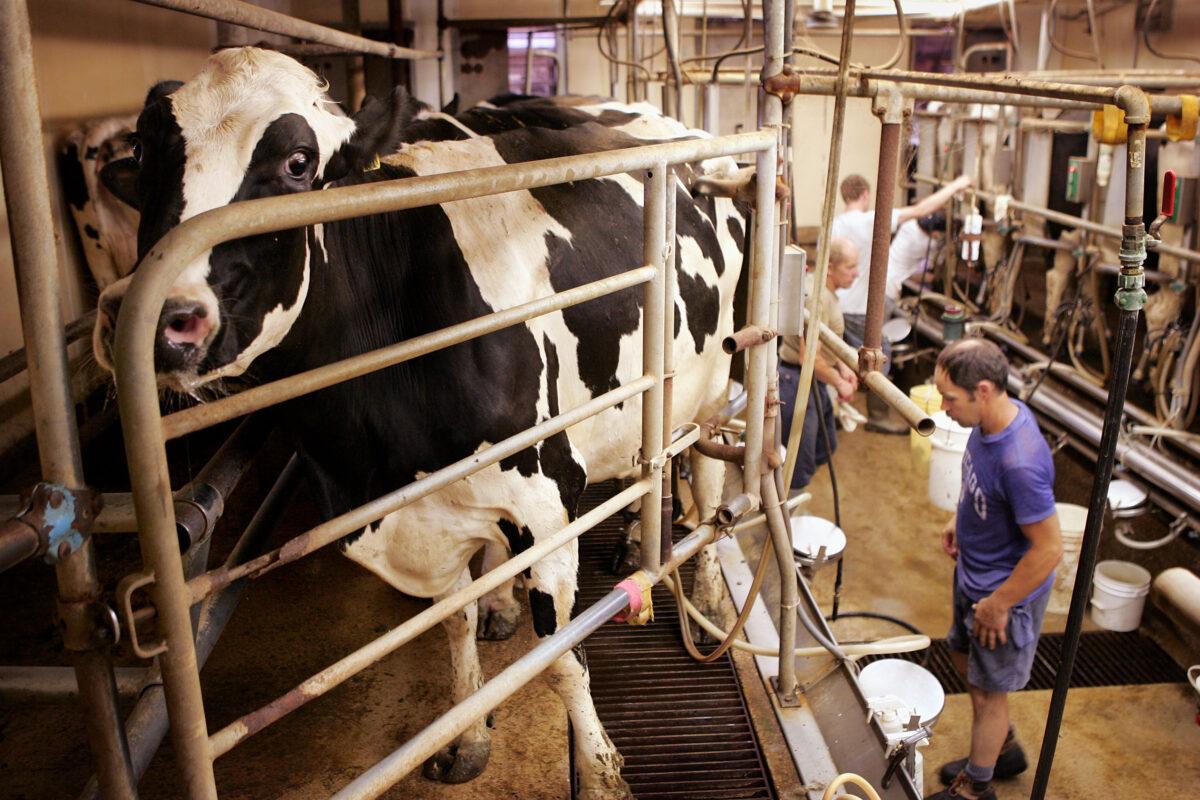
{"x": 845, "y": 389}
{"x": 991, "y": 622}
{"x": 848, "y": 375}
{"x": 964, "y": 181}
{"x": 950, "y": 541}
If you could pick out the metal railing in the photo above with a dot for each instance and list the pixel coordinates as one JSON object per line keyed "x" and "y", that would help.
{"x": 146, "y": 430}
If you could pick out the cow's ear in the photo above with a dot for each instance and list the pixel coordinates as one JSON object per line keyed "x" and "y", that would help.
{"x": 451, "y": 108}
{"x": 379, "y": 129}
{"x": 120, "y": 178}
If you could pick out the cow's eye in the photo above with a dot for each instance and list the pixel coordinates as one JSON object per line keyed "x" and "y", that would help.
{"x": 297, "y": 164}
{"x": 136, "y": 144}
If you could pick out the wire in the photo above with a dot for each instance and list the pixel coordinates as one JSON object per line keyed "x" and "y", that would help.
{"x": 901, "y": 42}
{"x": 1062, "y": 48}
{"x": 609, "y": 56}
{"x": 1150, "y": 46}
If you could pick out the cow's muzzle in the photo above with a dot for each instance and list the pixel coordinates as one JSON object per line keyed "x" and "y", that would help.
{"x": 184, "y": 330}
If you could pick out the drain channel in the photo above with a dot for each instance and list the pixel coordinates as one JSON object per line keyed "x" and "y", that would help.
{"x": 1104, "y": 658}
{"x": 682, "y": 727}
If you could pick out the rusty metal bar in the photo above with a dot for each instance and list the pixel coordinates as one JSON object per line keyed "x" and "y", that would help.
{"x": 262, "y": 19}
{"x": 327, "y": 679}
{"x": 332, "y": 530}
{"x": 825, "y": 85}
{"x": 881, "y": 237}
{"x": 208, "y": 414}
{"x": 31, "y": 222}
{"x": 654, "y": 251}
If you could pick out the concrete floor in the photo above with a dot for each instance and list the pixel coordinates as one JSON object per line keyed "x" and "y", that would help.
{"x": 1121, "y": 742}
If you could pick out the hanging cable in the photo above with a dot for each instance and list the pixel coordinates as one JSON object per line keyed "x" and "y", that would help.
{"x": 1150, "y": 46}
{"x": 902, "y": 42}
{"x": 1062, "y": 48}
{"x": 600, "y": 41}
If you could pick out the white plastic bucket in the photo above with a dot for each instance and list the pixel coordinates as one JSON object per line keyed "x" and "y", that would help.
{"x": 929, "y": 400}
{"x": 948, "y": 443}
{"x": 1071, "y": 521}
{"x": 1119, "y": 595}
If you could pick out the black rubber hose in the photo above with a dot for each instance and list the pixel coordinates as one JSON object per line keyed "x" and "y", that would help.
{"x": 1126, "y": 334}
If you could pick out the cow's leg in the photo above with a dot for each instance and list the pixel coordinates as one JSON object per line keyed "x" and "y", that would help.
{"x": 708, "y": 482}
{"x": 466, "y": 757}
{"x": 498, "y": 609}
{"x": 551, "y": 595}
{"x": 627, "y": 557}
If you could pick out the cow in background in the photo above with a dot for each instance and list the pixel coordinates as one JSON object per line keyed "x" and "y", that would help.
{"x": 107, "y": 226}
{"x": 255, "y": 124}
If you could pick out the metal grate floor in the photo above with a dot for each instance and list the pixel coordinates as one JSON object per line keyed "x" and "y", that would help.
{"x": 682, "y": 727}
{"x": 1104, "y": 658}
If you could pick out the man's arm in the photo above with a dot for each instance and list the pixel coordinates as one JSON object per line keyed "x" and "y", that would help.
{"x": 844, "y": 381}
{"x": 1045, "y": 551}
{"x": 932, "y": 203}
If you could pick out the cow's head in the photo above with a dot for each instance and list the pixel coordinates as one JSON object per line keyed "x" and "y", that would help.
{"x": 254, "y": 123}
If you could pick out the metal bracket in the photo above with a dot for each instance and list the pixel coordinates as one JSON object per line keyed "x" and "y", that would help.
{"x": 61, "y": 517}
{"x": 900, "y": 752}
{"x": 125, "y": 589}
{"x": 784, "y": 701}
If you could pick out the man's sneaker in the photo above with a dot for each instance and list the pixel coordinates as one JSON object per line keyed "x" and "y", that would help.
{"x": 963, "y": 788}
{"x": 1009, "y": 764}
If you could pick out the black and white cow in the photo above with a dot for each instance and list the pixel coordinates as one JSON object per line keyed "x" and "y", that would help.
{"x": 254, "y": 124}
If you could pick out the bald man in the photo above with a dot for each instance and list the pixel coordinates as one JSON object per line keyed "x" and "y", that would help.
{"x": 814, "y": 449}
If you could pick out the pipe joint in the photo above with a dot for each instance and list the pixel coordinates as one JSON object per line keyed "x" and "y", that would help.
{"x": 891, "y": 104}
{"x": 870, "y": 359}
{"x": 782, "y": 84}
{"x": 55, "y": 521}
{"x": 729, "y": 513}
{"x": 1134, "y": 102}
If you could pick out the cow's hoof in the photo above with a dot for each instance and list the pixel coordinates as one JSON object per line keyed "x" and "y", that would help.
{"x": 607, "y": 790}
{"x": 626, "y": 557}
{"x": 498, "y": 624}
{"x": 458, "y": 764}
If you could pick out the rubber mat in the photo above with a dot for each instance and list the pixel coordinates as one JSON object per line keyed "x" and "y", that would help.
{"x": 682, "y": 726}
{"x": 1104, "y": 658}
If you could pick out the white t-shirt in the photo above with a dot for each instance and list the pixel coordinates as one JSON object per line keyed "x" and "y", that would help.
{"x": 857, "y": 226}
{"x": 906, "y": 255}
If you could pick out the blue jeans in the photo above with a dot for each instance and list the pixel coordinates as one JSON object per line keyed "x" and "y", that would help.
{"x": 813, "y": 452}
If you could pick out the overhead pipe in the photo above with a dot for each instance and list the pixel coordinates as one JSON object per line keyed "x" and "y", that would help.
{"x": 262, "y": 19}
{"x": 30, "y": 218}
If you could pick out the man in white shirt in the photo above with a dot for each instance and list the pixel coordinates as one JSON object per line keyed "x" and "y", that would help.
{"x": 911, "y": 246}
{"x": 857, "y": 224}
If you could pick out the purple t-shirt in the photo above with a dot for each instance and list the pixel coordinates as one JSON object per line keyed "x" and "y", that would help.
{"x": 1007, "y": 481}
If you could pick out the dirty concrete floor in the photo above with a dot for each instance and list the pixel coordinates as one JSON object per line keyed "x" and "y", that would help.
{"x": 1134, "y": 742}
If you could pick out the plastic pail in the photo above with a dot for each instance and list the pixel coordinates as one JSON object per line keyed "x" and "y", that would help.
{"x": 1119, "y": 595}
{"x": 1071, "y": 519}
{"x": 948, "y": 442}
{"x": 928, "y": 399}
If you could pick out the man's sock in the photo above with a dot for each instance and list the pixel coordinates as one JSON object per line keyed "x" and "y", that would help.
{"x": 978, "y": 774}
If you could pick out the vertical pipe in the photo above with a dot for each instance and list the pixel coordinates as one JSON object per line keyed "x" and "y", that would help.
{"x": 761, "y": 270}
{"x": 37, "y": 273}
{"x": 673, "y": 91}
{"x": 766, "y": 300}
{"x": 561, "y": 87}
{"x": 632, "y": 92}
{"x": 401, "y": 75}
{"x": 1043, "y": 54}
{"x": 881, "y": 236}
{"x": 654, "y": 245}
{"x": 670, "y": 289}
{"x": 356, "y": 86}
{"x": 529, "y": 63}
{"x": 1130, "y": 298}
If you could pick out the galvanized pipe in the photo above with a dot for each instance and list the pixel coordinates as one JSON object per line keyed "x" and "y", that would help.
{"x": 1075, "y": 222}
{"x": 376, "y": 780}
{"x": 31, "y": 222}
{"x": 334, "y": 529}
{"x": 207, "y": 414}
{"x": 654, "y": 247}
{"x": 670, "y": 290}
{"x": 147, "y": 724}
{"x": 262, "y": 19}
{"x": 327, "y": 679}
{"x": 824, "y": 85}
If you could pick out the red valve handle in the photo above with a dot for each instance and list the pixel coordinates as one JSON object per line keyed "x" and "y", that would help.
{"x": 1168, "y": 193}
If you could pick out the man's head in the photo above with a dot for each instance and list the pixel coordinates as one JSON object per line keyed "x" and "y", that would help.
{"x": 972, "y": 376}
{"x": 932, "y": 224}
{"x": 856, "y": 191}
{"x": 843, "y": 264}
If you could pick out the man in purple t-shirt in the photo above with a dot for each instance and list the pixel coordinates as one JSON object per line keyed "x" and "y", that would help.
{"x": 1005, "y": 541}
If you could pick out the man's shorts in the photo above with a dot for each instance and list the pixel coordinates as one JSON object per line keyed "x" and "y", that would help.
{"x": 1005, "y": 668}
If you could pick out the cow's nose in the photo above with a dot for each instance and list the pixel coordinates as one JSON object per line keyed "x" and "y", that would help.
{"x": 183, "y": 327}
{"x": 109, "y": 307}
